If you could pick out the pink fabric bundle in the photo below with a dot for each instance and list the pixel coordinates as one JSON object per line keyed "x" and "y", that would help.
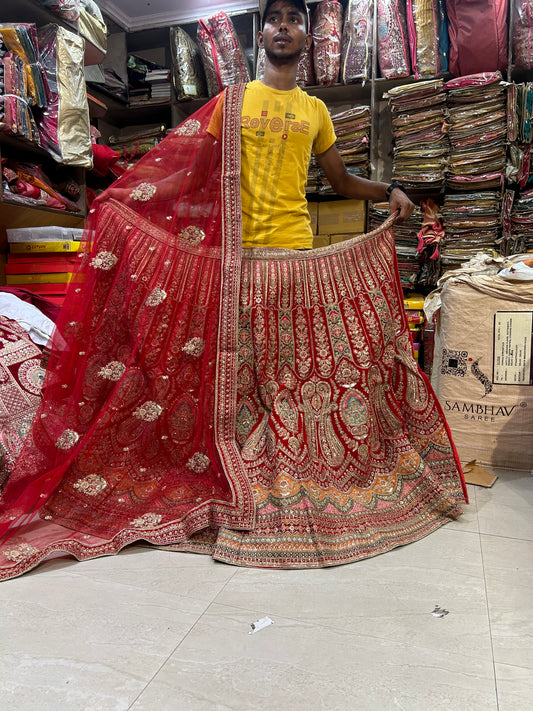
{"x": 523, "y": 34}
{"x": 356, "y": 57}
{"x": 327, "y": 31}
{"x": 393, "y": 40}
{"x": 478, "y": 35}
{"x": 223, "y": 56}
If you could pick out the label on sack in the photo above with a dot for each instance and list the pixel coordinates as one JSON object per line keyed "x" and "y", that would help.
{"x": 513, "y": 348}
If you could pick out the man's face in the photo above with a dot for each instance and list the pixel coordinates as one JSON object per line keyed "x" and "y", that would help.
{"x": 284, "y": 34}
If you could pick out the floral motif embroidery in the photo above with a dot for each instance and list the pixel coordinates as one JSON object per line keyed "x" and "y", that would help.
{"x": 67, "y": 439}
{"x": 104, "y": 260}
{"x": 147, "y": 520}
{"x": 91, "y": 485}
{"x": 149, "y": 411}
{"x": 192, "y": 235}
{"x": 194, "y": 347}
{"x": 198, "y": 463}
{"x": 143, "y": 192}
{"x": 188, "y": 128}
{"x": 20, "y": 552}
{"x": 157, "y": 296}
{"x": 114, "y": 370}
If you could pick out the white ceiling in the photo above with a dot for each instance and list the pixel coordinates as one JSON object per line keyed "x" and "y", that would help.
{"x": 139, "y": 14}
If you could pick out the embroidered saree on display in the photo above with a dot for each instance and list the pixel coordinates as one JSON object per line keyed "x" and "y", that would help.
{"x": 262, "y": 406}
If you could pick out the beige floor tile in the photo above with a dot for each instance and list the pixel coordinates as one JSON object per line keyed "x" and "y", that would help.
{"x": 515, "y": 688}
{"x": 74, "y": 641}
{"x": 509, "y": 582}
{"x": 506, "y": 509}
{"x": 300, "y": 666}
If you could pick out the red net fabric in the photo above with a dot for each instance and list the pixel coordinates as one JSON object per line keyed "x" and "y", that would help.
{"x": 133, "y": 433}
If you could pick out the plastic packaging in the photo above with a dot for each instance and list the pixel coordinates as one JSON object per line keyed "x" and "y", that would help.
{"x": 225, "y": 62}
{"x": 327, "y": 32}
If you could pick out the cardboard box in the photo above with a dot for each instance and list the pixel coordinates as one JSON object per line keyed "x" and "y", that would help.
{"x": 335, "y": 239}
{"x": 313, "y": 213}
{"x": 320, "y": 241}
{"x": 483, "y": 369}
{"x": 341, "y": 217}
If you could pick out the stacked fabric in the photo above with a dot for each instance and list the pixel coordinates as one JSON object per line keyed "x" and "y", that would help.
{"x": 477, "y": 131}
{"x": 406, "y": 242}
{"x": 522, "y": 222}
{"x": 352, "y": 128}
{"x": 22, "y": 86}
{"x": 420, "y": 143}
{"x": 472, "y": 223}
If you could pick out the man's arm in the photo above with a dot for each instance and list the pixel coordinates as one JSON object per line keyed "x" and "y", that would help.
{"x": 352, "y": 186}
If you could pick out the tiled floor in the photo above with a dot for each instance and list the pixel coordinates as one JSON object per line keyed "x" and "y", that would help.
{"x": 152, "y": 630}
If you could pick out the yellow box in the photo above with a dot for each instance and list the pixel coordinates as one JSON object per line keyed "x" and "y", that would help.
{"x": 320, "y": 241}
{"x": 341, "y": 217}
{"x": 313, "y": 212}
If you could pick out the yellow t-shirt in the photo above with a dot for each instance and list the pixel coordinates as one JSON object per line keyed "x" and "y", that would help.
{"x": 279, "y": 129}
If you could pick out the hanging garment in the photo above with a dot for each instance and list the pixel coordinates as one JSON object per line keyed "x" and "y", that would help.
{"x": 478, "y": 35}
{"x": 264, "y": 408}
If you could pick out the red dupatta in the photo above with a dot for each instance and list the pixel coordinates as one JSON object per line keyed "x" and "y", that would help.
{"x": 135, "y": 435}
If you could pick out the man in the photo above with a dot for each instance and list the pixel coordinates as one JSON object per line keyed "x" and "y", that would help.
{"x": 281, "y": 125}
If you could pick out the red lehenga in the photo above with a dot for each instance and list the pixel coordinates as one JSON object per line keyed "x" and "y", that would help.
{"x": 262, "y": 406}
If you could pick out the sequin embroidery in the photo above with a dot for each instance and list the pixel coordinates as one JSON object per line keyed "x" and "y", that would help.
{"x": 91, "y": 485}
{"x": 198, "y": 463}
{"x": 143, "y": 192}
{"x": 67, "y": 439}
{"x": 114, "y": 370}
{"x": 149, "y": 411}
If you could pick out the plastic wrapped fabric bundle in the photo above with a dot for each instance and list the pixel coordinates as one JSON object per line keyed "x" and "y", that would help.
{"x": 66, "y": 9}
{"x": 91, "y": 24}
{"x": 327, "y": 33}
{"x": 188, "y": 76}
{"x": 522, "y": 40}
{"x": 356, "y": 50}
{"x": 224, "y": 59}
{"x": 393, "y": 42}
{"x": 423, "y": 24}
{"x": 472, "y": 50}
{"x": 64, "y": 127}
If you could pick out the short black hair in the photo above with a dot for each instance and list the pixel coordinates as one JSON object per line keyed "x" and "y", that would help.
{"x": 300, "y": 4}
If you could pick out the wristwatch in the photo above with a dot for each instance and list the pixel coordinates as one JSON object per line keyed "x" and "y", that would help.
{"x": 394, "y": 184}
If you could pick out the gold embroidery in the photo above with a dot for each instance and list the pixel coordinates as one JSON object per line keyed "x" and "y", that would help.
{"x": 114, "y": 370}
{"x": 104, "y": 261}
{"x": 194, "y": 347}
{"x": 157, "y": 296}
{"x": 198, "y": 463}
{"x": 147, "y": 520}
{"x": 20, "y": 552}
{"x": 192, "y": 235}
{"x": 67, "y": 439}
{"x": 149, "y": 411}
{"x": 91, "y": 485}
{"x": 188, "y": 128}
{"x": 143, "y": 192}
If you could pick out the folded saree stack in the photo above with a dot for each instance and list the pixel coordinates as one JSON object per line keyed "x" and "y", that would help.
{"x": 352, "y": 128}
{"x": 472, "y": 207}
{"x": 22, "y": 86}
{"x": 420, "y": 142}
{"x": 405, "y": 241}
